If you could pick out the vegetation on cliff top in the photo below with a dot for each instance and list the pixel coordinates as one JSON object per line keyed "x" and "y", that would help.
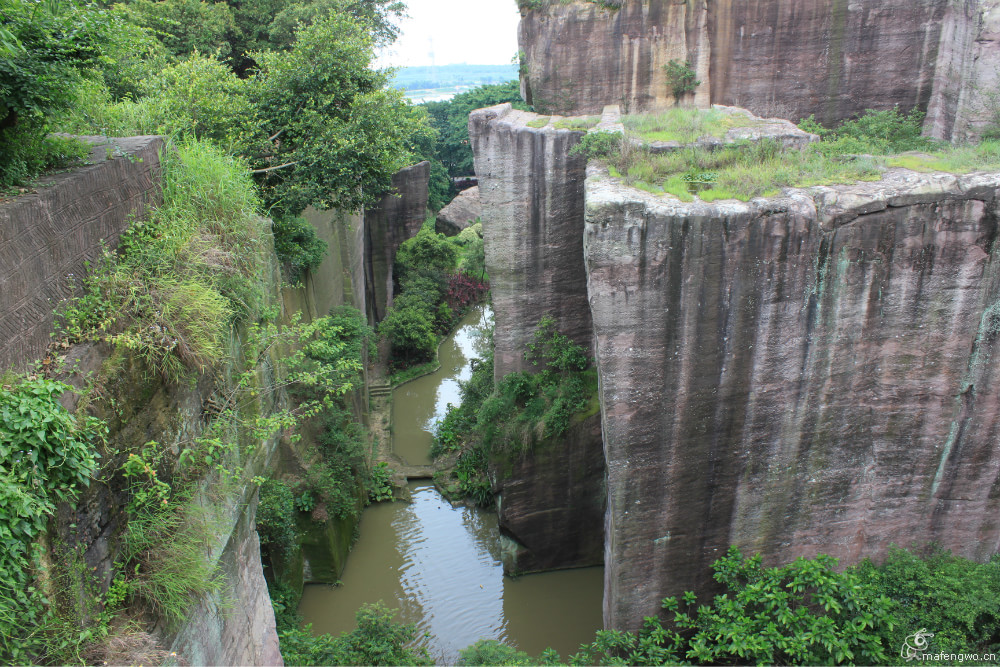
{"x": 858, "y": 150}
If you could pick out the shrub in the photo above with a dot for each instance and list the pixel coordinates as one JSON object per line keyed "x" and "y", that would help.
{"x": 276, "y": 517}
{"x": 378, "y": 640}
{"x": 297, "y": 246}
{"x": 492, "y": 652}
{"x": 598, "y": 145}
{"x": 380, "y": 483}
{"x": 410, "y": 331}
{"x": 49, "y": 48}
{"x": 46, "y": 455}
{"x": 681, "y": 78}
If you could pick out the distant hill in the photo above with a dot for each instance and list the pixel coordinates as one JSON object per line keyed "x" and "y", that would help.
{"x": 447, "y": 76}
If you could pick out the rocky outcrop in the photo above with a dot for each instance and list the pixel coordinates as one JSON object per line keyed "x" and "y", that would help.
{"x": 397, "y": 217}
{"x": 785, "y": 58}
{"x": 531, "y": 191}
{"x": 798, "y": 375}
{"x": 460, "y": 213}
{"x": 48, "y": 237}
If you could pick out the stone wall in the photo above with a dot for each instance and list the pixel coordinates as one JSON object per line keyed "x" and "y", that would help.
{"x": 396, "y": 218}
{"x": 786, "y": 58}
{"x": 47, "y": 237}
{"x": 798, "y": 375}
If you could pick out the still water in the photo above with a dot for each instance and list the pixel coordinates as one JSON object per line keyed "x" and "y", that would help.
{"x": 439, "y": 564}
{"x": 419, "y": 404}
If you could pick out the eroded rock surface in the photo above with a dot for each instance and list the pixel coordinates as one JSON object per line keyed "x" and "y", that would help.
{"x": 460, "y": 213}
{"x": 531, "y": 191}
{"x": 396, "y": 218}
{"x": 799, "y": 375}
{"x": 784, "y": 58}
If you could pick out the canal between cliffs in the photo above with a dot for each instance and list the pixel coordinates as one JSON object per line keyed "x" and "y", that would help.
{"x": 438, "y": 563}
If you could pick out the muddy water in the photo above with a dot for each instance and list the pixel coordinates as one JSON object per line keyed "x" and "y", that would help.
{"x": 440, "y": 564}
{"x": 419, "y": 404}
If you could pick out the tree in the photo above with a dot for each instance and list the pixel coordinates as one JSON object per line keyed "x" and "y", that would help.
{"x": 331, "y": 133}
{"x": 681, "y": 78}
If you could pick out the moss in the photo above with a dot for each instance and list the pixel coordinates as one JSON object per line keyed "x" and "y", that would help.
{"x": 539, "y": 123}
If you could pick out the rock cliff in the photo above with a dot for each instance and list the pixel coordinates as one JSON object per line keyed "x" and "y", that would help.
{"x": 786, "y": 58}
{"x": 797, "y": 375}
{"x": 396, "y": 218}
{"x": 531, "y": 191}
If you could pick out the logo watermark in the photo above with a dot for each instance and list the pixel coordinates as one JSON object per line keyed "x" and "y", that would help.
{"x": 916, "y": 648}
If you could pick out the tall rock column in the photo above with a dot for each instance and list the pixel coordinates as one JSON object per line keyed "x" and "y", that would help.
{"x": 798, "y": 375}
{"x": 531, "y": 189}
{"x": 396, "y": 218}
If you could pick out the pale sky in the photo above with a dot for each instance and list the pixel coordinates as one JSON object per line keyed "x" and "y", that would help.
{"x": 475, "y": 32}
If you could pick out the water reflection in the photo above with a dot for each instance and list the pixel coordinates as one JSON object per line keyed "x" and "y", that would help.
{"x": 440, "y": 565}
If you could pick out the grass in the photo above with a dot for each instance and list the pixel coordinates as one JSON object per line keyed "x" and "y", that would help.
{"x": 957, "y": 160}
{"x": 684, "y": 125}
{"x": 539, "y": 123}
{"x": 761, "y": 169}
{"x": 579, "y": 123}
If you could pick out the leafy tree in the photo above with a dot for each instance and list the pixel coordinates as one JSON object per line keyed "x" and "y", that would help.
{"x": 681, "y": 78}
{"x": 185, "y": 27}
{"x": 331, "y": 133}
{"x": 411, "y": 333}
{"x": 48, "y": 49}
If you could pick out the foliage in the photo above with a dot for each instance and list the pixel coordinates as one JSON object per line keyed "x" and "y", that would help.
{"x": 954, "y": 596}
{"x": 377, "y": 640}
{"x": 297, "y": 246}
{"x": 598, "y": 145}
{"x": 49, "y": 49}
{"x": 519, "y": 412}
{"x": 46, "y": 455}
{"x": 423, "y": 265}
{"x": 451, "y": 120}
{"x": 410, "y": 331}
{"x": 492, "y": 652}
{"x": 185, "y": 27}
{"x": 180, "y": 277}
{"x": 681, "y": 78}
{"x": 380, "y": 483}
{"x": 285, "y": 602}
{"x": 873, "y": 132}
{"x": 276, "y": 517}
{"x": 331, "y": 133}
{"x": 464, "y": 290}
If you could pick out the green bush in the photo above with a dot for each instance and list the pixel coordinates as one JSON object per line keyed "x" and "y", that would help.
{"x": 492, "y": 652}
{"x": 49, "y": 48}
{"x": 681, "y": 78}
{"x": 298, "y": 247}
{"x": 598, "y": 145}
{"x": 377, "y": 640}
{"x": 46, "y": 455}
{"x": 410, "y": 331}
{"x": 276, "y": 517}
{"x": 380, "y": 483}
{"x": 519, "y": 412}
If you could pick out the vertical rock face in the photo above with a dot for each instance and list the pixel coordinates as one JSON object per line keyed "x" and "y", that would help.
{"x": 804, "y": 374}
{"x": 531, "y": 191}
{"x": 47, "y": 238}
{"x": 787, "y": 58}
{"x": 396, "y": 218}
{"x": 580, "y": 56}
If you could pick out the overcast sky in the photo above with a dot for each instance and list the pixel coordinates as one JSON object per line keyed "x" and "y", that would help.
{"x": 475, "y": 32}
